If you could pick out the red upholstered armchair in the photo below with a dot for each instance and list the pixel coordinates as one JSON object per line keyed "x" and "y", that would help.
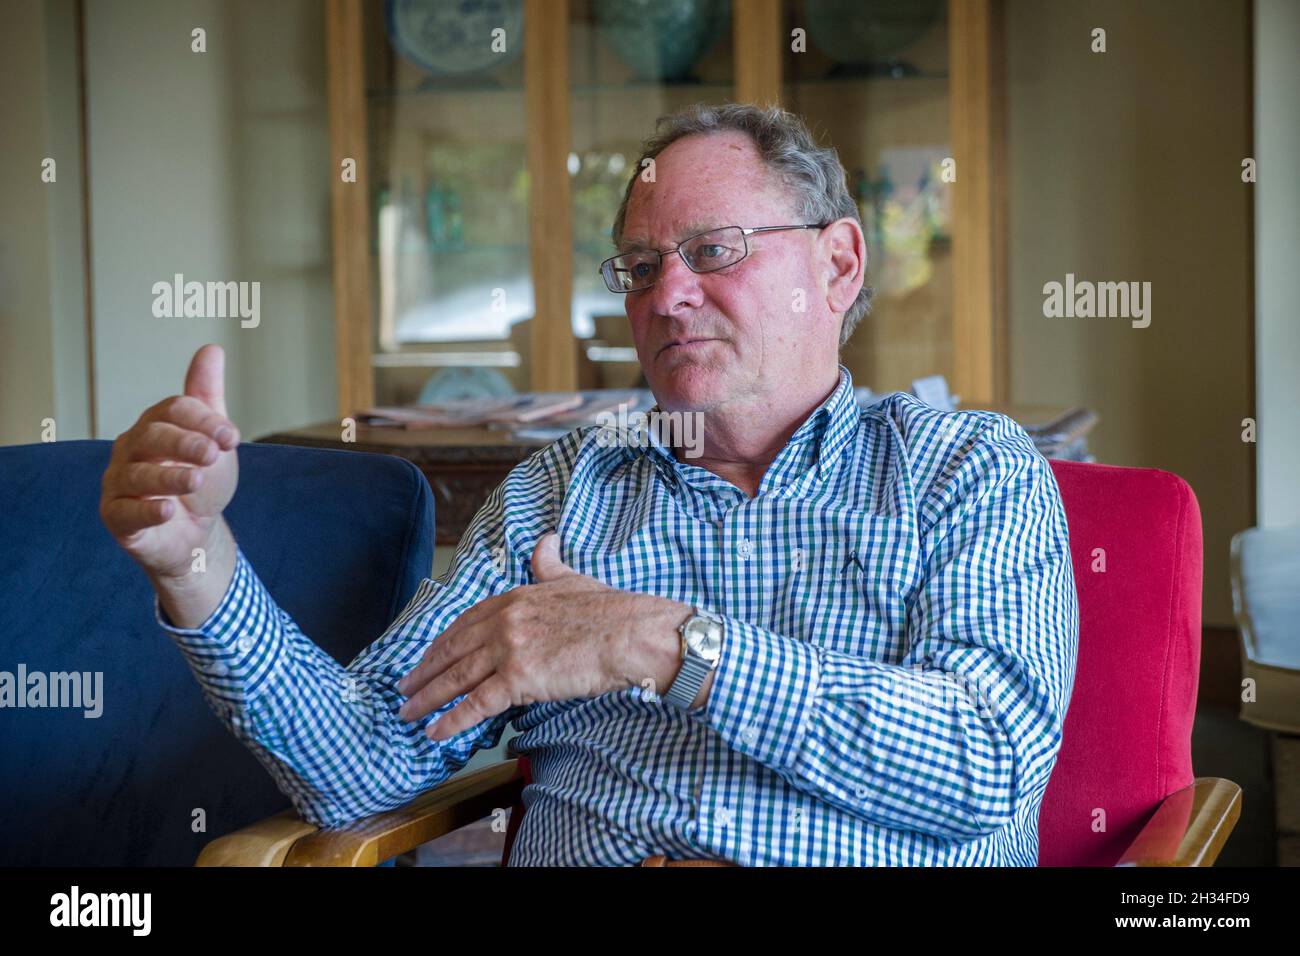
{"x": 1127, "y": 746}
{"x": 1122, "y": 791}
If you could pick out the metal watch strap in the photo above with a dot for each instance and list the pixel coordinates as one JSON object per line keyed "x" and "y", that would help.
{"x": 694, "y": 670}
{"x": 691, "y": 677}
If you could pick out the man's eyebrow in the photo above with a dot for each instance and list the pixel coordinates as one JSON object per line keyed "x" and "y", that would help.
{"x": 690, "y": 229}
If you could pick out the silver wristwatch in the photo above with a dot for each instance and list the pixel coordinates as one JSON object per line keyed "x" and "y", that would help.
{"x": 702, "y": 635}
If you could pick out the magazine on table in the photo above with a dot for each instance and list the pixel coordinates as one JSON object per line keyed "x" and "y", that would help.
{"x": 549, "y": 411}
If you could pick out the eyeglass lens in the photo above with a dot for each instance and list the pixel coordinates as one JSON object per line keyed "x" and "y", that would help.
{"x": 703, "y": 253}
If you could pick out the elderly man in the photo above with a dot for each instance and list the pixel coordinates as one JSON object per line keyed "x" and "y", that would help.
{"x": 836, "y": 636}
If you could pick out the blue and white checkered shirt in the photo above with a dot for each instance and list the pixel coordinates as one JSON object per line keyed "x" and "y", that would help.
{"x": 901, "y": 632}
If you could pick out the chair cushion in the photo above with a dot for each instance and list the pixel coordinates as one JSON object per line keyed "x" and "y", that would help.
{"x": 342, "y": 540}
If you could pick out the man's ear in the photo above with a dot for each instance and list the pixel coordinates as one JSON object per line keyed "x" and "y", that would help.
{"x": 844, "y": 262}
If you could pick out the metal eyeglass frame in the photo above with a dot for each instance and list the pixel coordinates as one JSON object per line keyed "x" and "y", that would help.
{"x": 745, "y": 233}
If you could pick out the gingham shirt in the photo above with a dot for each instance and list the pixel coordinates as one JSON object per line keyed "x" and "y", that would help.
{"x": 901, "y": 631}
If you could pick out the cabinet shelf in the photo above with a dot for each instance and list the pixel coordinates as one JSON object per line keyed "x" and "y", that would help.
{"x": 655, "y": 87}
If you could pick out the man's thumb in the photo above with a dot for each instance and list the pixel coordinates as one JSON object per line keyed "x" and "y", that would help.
{"x": 546, "y": 561}
{"x": 205, "y": 379}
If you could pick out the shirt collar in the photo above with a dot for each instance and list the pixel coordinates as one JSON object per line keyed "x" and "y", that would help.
{"x": 830, "y": 425}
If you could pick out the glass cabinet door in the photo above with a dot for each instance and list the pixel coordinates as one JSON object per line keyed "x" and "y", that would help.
{"x": 872, "y": 80}
{"x": 630, "y": 62}
{"x": 446, "y": 129}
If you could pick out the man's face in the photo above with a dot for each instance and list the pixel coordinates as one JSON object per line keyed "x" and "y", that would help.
{"x": 735, "y": 335}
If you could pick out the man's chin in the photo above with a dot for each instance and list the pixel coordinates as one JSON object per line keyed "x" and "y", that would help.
{"x": 688, "y": 386}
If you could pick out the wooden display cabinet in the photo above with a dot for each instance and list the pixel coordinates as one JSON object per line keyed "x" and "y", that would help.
{"x": 505, "y": 182}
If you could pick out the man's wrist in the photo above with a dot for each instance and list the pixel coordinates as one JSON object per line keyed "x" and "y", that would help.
{"x": 656, "y": 654}
{"x": 188, "y": 599}
{"x": 705, "y": 685}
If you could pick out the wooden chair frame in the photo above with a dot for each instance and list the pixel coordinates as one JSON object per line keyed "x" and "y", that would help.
{"x": 1189, "y": 828}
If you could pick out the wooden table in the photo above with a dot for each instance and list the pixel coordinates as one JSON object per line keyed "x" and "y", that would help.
{"x": 464, "y": 465}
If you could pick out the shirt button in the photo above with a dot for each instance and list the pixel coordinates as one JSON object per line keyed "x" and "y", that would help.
{"x": 745, "y": 548}
{"x": 219, "y": 668}
{"x": 861, "y": 792}
{"x": 245, "y": 644}
{"x": 749, "y": 734}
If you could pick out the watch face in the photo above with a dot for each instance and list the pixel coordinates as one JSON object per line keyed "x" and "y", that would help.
{"x": 705, "y": 638}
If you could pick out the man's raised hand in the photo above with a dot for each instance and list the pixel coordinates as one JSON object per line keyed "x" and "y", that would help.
{"x": 173, "y": 472}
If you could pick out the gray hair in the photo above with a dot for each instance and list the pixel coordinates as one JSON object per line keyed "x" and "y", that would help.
{"x": 812, "y": 173}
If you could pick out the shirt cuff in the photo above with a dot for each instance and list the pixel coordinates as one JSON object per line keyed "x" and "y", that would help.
{"x": 238, "y": 647}
{"x": 764, "y": 692}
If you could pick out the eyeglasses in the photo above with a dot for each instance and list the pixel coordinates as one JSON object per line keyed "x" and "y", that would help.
{"x": 706, "y": 252}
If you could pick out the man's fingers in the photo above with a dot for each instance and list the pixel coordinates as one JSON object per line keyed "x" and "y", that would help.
{"x": 141, "y": 479}
{"x": 163, "y": 441}
{"x": 449, "y": 645}
{"x": 205, "y": 379}
{"x": 490, "y": 698}
{"x": 437, "y": 689}
{"x": 546, "y": 562}
{"x": 455, "y": 642}
{"x": 127, "y": 516}
{"x": 189, "y": 412}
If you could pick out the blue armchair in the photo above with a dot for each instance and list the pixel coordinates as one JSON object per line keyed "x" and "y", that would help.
{"x": 342, "y": 540}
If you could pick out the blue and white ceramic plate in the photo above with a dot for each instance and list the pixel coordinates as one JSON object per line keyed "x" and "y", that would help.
{"x": 455, "y": 36}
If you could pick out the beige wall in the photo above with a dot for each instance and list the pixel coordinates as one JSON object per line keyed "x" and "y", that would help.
{"x": 215, "y": 165}
{"x": 1126, "y": 166}
{"x": 43, "y": 356}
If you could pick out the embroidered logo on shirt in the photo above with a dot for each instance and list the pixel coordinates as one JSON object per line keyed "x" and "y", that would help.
{"x": 853, "y": 560}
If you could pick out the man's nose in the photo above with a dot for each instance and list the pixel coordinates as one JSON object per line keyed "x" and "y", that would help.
{"x": 677, "y": 286}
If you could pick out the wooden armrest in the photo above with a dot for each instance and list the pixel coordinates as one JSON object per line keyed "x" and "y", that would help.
{"x": 287, "y": 840}
{"x": 1189, "y": 827}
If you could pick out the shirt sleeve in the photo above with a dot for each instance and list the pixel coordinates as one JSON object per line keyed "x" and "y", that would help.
{"x": 330, "y": 735}
{"x": 955, "y": 737}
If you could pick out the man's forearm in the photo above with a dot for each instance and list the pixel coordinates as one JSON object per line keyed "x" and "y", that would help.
{"x": 190, "y": 600}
